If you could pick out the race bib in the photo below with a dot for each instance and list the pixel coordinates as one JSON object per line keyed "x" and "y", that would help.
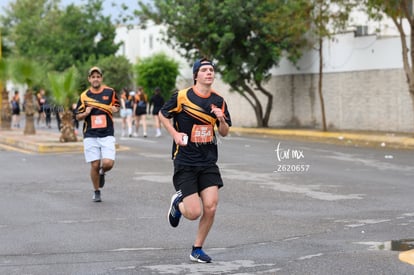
{"x": 98, "y": 121}
{"x": 202, "y": 133}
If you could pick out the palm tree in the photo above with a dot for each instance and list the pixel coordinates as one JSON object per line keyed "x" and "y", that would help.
{"x": 5, "y": 106}
{"x": 29, "y": 72}
{"x": 63, "y": 86}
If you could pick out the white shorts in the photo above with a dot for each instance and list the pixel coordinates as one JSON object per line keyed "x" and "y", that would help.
{"x": 126, "y": 112}
{"x": 99, "y": 148}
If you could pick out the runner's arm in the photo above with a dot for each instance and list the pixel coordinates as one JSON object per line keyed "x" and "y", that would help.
{"x": 177, "y": 136}
{"x": 223, "y": 127}
{"x": 82, "y": 116}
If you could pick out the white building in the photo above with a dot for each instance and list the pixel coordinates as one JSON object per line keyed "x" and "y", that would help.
{"x": 364, "y": 84}
{"x": 141, "y": 43}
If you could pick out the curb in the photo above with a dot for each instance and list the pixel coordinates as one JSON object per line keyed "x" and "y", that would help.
{"x": 41, "y": 142}
{"x": 383, "y": 140}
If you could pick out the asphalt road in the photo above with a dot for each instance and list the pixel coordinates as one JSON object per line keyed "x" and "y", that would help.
{"x": 287, "y": 207}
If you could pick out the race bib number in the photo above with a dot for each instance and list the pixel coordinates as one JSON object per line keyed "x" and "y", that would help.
{"x": 202, "y": 134}
{"x": 98, "y": 121}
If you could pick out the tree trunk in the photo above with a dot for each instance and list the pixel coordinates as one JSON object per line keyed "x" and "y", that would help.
{"x": 269, "y": 104}
{"x": 67, "y": 129}
{"x": 6, "y": 115}
{"x": 247, "y": 92}
{"x": 29, "y": 128}
{"x": 320, "y": 85}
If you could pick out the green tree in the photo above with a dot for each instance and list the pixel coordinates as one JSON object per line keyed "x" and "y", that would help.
{"x": 231, "y": 32}
{"x": 23, "y": 22}
{"x": 4, "y": 72}
{"x": 157, "y": 71}
{"x": 6, "y": 112}
{"x": 5, "y": 47}
{"x": 27, "y": 71}
{"x": 30, "y": 73}
{"x": 400, "y": 12}
{"x": 289, "y": 22}
{"x": 117, "y": 70}
{"x": 41, "y": 31}
{"x": 64, "y": 89}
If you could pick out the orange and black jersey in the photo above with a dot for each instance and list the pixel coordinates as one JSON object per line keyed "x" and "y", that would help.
{"x": 100, "y": 122}
{"x": 191, "y": 114}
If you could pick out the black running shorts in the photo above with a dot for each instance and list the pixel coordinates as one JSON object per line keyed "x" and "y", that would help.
{"x": 194, "y": 179}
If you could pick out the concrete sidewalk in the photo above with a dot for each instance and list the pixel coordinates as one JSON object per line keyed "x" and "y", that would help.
{"x": 44, "y": 141}
{"x": 47, "y": 141}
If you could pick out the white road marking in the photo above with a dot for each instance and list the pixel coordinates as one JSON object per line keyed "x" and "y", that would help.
{"x": 220, "y": 267}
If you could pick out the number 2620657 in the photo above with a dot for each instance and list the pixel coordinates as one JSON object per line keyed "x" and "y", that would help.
{"x": 292, "y": 168}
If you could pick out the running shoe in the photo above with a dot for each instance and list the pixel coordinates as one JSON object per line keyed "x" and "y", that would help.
{"x": 101, "y": 178}
{"x": 97, "y": 196}
{"x": 174, "y": 213}
{"x": 198, "y": 255}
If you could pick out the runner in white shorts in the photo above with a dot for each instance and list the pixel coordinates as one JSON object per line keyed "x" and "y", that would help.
{"x": 99, "y": 148}
{"x": 96, "y": 106}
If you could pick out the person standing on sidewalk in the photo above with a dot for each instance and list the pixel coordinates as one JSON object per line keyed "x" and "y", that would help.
{"x": 15, "y": 103}
{"x": 96, "y": 106}
{"x": 41, "y": 100}
{"x": 156, "y": 102}
{"x": 195, "y": 112}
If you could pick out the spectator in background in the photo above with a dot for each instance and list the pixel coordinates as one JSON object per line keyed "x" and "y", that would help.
{"x": 156, "y": 102}
{"x": 41, "y": 100}
{"x": 75, "y": 121}
{"x": 56, "y": 110}
{"x": 15, "y": 104}
{"x": 47, "y": 109}
{"x": 127, "y": 105}
{"x": 140, "y": 111}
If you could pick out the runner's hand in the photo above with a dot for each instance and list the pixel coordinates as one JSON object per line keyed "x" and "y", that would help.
{"x": 88, "y": 110}
{"x": 218, "y": 113}
{"x": 179, "y": 139}
{"x": 114, "y": 109}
